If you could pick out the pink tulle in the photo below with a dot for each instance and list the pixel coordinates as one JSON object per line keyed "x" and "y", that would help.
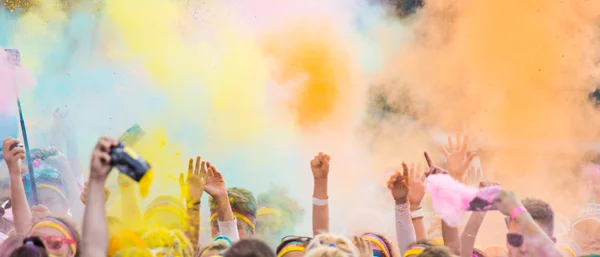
{"x": 449, "y": 197}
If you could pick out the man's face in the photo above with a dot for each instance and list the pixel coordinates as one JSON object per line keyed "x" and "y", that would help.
{"x": 521, "y": 251}
{"x": 513, "y": 228}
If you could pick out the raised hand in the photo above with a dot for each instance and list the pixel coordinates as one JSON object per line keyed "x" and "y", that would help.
{"x": 399, "y": 185}
{"x": 13, "y": 152}
{"x": 193, "y": 186}
{"x": 433, "y": 169}
{"x": 320, "y": 166}
{"x": 417, "y": 186}
{"x": 215, "y": 184}
{"x": 506, "y": 202}
{"x": 364, "y": 247}
{"x": 456, "y": 154}
{"x": 100, "y": 164}
{"x": 84, "y": 193}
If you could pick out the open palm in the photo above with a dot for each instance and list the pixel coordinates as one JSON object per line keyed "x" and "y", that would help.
{"x": 215, "y": 184}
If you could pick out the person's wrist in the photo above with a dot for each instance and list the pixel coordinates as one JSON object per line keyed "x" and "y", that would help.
{"x": 221, "y": 198}
{"x": 415, "y": 206}
{"x": 320, "y": 180}
{"x": 401, "y": 200}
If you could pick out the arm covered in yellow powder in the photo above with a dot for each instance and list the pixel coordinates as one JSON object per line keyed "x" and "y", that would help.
{"x": 193, "y": 189}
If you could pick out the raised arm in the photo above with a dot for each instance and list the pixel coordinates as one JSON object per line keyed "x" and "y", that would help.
{"x": 320, "y": 169}
{"x": 399, "y": 186}
{"x": 415, "y": 197}
{"x": 193, "y": 189}
{"x": 13, "y": 155}
{"x": 95, "y": 226}
{"x": 215, "y": 187}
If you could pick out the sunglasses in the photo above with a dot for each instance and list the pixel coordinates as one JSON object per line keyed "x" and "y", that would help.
{"x": 54, "y": 243}
{"x": 377, "y": 253}
{"x": 514, "y": 239}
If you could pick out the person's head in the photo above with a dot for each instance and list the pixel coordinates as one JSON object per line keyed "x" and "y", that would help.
{"x": 417, "y": 248}
{"x": 277, "y": 214}
{"x": 249, "y": 248}
{"x": 243, "y": 205}
{"x": 477, "y": 253}
{"x": 436, "y": 251}
{"x": 51, "y": 191}
{"x": 161, "y": 241}
{"x": 542, "y": 214}
{"x": 495, "y": 251}
{"x": 31, "y": 247}
{"x": 217, "y": 247}
{"x": 137, "y": 252}
{"x": 10, "y": 244}
{"x": 123, "y": 239}
{"x": 166, "y": 211}
{"x": 382, "y": 247}
{"x": 292, "y": 246}
{"x": 585, "y": 228}
{"x": 59, "y": 235}
{"x": 328, "y": 245}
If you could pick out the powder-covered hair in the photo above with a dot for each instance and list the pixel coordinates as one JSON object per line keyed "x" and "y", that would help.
{"x": 133, "y": 252}
{"x": 542, "y": 213}
{"x": 328, "y": 245}
{"x": 388, "y": 243}
{"x": 436, "y": 251}
{"x": 164, "y": 238}
{"x": 277, "y": 197}
{"x": 241, "y": 199}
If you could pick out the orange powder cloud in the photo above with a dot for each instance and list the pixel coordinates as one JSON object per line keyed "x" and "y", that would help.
{"x": 516, "y": 74}
{"x": 313, "y": 57}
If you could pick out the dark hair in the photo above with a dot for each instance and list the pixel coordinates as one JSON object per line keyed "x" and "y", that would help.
{"x": 424, "y": 243}
{"x": 32, "y": 247}
{"x": 436, "y": 251}
{"x": 249, "y": 248}
{"x": 10, "y": 244}
{"x": 542, "y": 213}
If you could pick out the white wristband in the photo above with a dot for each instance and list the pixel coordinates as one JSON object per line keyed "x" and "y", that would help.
{"x": 418, "y": 213}
{"x": 320, "y": 202}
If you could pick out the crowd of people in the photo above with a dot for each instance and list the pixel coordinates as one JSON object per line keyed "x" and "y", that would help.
{"x": 244, "y": 225}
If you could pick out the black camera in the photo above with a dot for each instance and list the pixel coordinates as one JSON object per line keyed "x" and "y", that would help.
{"x": 128, "y": 162}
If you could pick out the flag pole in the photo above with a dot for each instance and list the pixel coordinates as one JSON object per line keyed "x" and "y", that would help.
{"x": 16, "y": 59}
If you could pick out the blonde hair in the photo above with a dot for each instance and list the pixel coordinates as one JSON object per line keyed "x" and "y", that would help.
{"x": 327, "y": 245}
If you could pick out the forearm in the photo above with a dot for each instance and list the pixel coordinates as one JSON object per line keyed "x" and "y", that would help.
{"x": 193, "y": 230}
{"x": 469, "y": 234}
{"x": 95, "y": 225}
{"x": 451, "y": 239}
{"x": 537, "y": 240}
{"x": 20, "y": 206}
{"x": 224, "y": 212}
{"x": 405, "y": 231}
{"x": 320, "y": 214}
{"x": 420, "y": 231}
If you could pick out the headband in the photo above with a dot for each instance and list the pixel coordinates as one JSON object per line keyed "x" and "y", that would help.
{"x": 246, "y": 218}
{"x": 268, "y": 210}
{"x": 378, "y": 241}
{"x": 295, "y": 246}
{"x": 568, "y": 247}
{"x": 60, "y": 226}
{"x": 415, "y": 250}
{"x": 54, "y": 187}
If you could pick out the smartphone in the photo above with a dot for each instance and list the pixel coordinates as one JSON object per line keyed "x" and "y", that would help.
{"x": 14, "y": 56}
